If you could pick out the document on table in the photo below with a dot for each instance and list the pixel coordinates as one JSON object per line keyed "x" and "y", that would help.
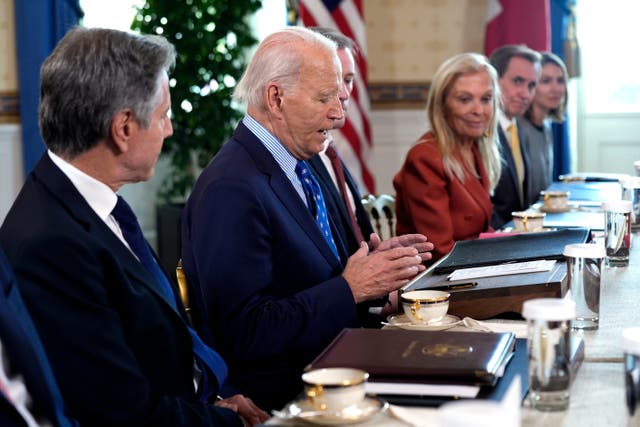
{"x": 502, "y": 269}
{"x": 421, "y": 389}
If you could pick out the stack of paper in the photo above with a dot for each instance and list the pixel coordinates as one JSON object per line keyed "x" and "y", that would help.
{"x": 502, "y": 269}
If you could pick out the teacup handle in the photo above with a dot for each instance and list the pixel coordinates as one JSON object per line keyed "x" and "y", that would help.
{"x": 415, "y": 307}
{"x": 314, "y": 393}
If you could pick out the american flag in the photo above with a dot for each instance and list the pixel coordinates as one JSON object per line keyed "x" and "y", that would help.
{"x": 354, "y": 139}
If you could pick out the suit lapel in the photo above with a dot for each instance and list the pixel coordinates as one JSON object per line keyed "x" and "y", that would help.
{"x": 341, "y": 226}
{"x": 61, "y": 188}
{"x": 509, "y": 163}
{"x": 283, "y": 190}
{"x": 476, "y": 188}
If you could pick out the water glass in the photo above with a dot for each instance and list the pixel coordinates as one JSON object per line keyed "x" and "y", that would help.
{"x": 631, "y": 349}
{"x": 549, "y": 350}
{"x": 584, "y": 268}
{"x": 617, "y": 232}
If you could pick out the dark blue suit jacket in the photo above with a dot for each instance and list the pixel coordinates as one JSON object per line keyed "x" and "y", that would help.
{"x": 506, "y": 195}
{"x": 120, "y": 353}
{"x": 270, "y": 285}
{"x": 26, "y": 357}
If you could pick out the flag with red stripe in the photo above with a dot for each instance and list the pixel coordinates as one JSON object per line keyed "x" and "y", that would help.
{"x": 354, "y": 139}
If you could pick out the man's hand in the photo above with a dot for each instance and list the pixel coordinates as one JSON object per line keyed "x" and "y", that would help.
{"x": 418, "y": 241}
{"x": 374, "y": 275}
{"x": 245, "y": 408}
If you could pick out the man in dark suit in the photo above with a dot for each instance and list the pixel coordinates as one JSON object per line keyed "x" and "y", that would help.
{"x": 24, "y": 364}
{"x": 322, "y": 163}
{"x": 257, "y": 242}
{"x": 108, "y": 317}
{"x": 345, "y": 208}
{"x": 518, "y": 70}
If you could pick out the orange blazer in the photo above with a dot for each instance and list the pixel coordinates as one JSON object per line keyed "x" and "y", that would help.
{"x": 430, "y": 202}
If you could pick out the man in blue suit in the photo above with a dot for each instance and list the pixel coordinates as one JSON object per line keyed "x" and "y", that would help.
{"x": 110, "y": 321}
{"x": 518, "y": 70}
{"x": 258, "y": 247}
{"x": 24, "y": 364}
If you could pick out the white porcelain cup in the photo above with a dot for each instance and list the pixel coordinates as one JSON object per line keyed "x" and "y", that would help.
{"x": 555, "y": 200}
{"x": 335, "y": 389}
{"x": 528, "y": 221}
{"x": 425, "y": 306}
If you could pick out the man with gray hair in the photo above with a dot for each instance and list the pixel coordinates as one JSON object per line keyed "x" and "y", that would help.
{"x": 109, "y": 318}
{"x": 257, "y": 243}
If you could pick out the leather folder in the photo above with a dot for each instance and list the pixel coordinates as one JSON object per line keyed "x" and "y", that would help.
{"x": 494, "y": 296}
{"x": 465, "y": 358}
{"x": 512, "y": 248}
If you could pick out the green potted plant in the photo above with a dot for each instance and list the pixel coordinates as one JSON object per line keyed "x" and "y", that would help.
{"x": 211, "y": 38}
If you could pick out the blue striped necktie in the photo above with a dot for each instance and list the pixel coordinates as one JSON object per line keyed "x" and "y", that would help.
{"x": 315, "y": 202}
{"x": 209, "y": 362}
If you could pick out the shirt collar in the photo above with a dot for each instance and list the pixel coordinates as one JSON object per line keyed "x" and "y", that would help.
{"x": 283, "y": 157}
{"x": 97, "y": 194}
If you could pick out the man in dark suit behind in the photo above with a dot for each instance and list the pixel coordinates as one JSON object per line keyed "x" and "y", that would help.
{"x": 351, "y": 227}
{"x": 518, "y": 70}
{"x": 255, "y": 244}
{"x": 24, "y": 365}
{"x": 108, "y": 317}
{"x": 322, "y": 166}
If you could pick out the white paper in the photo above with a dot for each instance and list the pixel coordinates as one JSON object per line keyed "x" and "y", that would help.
{"x": 412, "y": 389}
{"x": 502, "y": 269}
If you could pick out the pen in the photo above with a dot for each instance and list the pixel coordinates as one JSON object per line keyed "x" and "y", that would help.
{"x": 454, "y": 286}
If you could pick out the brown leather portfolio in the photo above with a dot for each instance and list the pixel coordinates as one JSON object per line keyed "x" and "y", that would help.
{"x": 420, "y": 356}
{"x": 488, "y": 297}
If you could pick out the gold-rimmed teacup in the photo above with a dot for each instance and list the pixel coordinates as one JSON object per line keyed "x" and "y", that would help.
{"x": 334, "y": 389}
{"x": 526, "y": 221}
{"x": 554, "y": 201}
{"x": 425, "y": 306}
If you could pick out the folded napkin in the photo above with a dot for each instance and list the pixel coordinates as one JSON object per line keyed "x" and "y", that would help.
{"x": 518, "y": 327}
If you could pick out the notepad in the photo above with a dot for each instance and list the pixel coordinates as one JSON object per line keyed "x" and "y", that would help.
{"x": 502, "y": 269}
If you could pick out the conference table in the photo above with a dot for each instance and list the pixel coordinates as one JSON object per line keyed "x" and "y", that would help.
{"x": 598, "y": 390}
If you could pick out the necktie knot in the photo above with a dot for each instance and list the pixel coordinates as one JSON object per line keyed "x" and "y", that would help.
{"x": 331, "y": 151}
{"x": 123, "y": 213}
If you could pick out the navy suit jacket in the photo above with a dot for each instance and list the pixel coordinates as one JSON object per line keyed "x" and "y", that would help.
{"x": 270, "y": 285}
{"x": 120, "y": 353}
{"x": 337, "y": 208}
{"x": 506, "y": 195}
{"x": 26, "y": 357}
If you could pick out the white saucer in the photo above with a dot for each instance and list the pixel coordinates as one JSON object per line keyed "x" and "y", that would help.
{"x": 304, "y": 411}
{"x": 402, "y": 321}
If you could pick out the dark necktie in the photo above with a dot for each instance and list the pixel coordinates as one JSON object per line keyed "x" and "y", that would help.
{"x": 315, "y": 202}
{"x": 209, "y": 362}
{"x": 342, "y": 183}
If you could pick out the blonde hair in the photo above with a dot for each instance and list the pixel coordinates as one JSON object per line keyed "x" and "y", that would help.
{"x": 444, "y": 78}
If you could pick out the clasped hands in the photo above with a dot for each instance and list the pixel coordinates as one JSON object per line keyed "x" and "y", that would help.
{"x": 381, "y": 267}
{"x": 250, "y": 414}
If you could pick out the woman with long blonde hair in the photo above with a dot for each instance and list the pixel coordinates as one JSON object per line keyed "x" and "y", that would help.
{"x": 443, "y": 189}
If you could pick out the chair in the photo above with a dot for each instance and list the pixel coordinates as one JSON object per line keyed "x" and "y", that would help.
{"x": 183, "y": 288}
{"x": 382, "y": 212}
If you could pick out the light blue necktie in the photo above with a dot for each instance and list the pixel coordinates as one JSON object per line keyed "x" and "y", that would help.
{"x": 315, "y": 202}
{"x": 209, "y": 362}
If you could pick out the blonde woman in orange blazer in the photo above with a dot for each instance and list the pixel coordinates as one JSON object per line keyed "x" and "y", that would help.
{"x": 443, "y": 189}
